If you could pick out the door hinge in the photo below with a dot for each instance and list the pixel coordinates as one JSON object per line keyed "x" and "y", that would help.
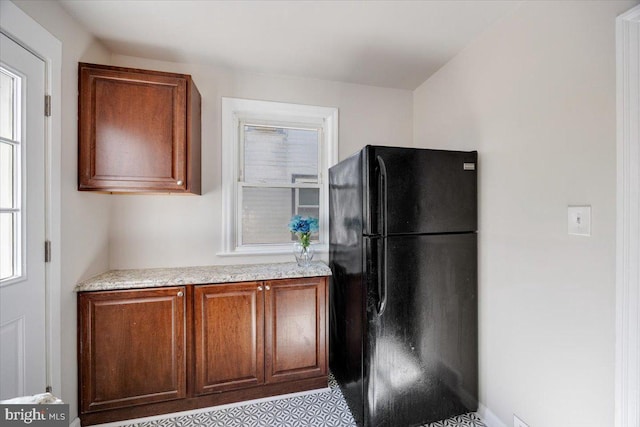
{"x": 47, "y": 251}
{"x": 47, "y": 105}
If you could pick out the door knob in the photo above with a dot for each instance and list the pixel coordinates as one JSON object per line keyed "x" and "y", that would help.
{"x": 180, "y": 293}
{"x": 179, "y": 182}
{"x": 259, "y": 288}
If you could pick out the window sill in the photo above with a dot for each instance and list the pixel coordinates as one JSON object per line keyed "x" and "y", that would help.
{"x": 279, "y": 250}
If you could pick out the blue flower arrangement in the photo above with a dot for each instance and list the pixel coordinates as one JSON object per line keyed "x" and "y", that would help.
{"x": 303, "y": 226}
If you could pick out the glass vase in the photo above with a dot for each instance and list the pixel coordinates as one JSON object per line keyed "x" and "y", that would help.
{"x": 303, "y": 255}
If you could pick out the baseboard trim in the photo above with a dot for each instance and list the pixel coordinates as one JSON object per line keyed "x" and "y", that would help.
{"x": 489, "y": 418}
{"x": 75, "y": 423}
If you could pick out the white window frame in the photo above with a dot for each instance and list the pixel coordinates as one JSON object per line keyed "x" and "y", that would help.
{"x": 236, "y": 111}
{"x": 296, "y": 200}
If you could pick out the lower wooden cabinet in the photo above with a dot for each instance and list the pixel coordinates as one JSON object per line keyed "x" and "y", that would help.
{"x": 152, "y": 351}
{"x": 132, "y": 347}
{"x": 229, "y": 336}
{"x": 259, "y": 333}
{"x": 295, "y": 329}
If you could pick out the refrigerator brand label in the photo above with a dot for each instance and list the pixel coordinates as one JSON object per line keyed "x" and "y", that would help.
{"x": 469, "y": 166}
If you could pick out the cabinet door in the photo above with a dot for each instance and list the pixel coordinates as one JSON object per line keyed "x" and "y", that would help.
{"x": 133, "y": 129}
{"x": 132, "y": 347}
{"x": 295, "y": 330}
{"x": 229, "y": 336}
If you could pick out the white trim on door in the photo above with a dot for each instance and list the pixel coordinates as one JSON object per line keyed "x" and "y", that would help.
{"x": 627, "y": 375}
{"x": 25, "y": 31}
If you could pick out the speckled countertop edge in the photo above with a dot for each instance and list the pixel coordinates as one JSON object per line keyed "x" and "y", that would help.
{"x": 157, "y": 277}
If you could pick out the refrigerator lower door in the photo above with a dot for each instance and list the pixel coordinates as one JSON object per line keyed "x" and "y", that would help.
{"x": 347, "y": 318}
{"x": 421, "y": 353}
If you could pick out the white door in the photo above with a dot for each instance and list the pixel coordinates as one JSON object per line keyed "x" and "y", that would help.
{"x": 22, "y": 222}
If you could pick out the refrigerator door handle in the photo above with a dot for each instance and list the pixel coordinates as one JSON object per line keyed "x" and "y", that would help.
{"x": 382, "y": 290}
{"x": 382, "y": 281}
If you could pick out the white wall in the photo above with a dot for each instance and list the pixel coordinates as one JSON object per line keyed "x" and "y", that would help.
{"x": 535, "y": 95}
{"x": 85, "y": 217}
{"x": 101, "y": 231}
{"x": 164, "y": 231}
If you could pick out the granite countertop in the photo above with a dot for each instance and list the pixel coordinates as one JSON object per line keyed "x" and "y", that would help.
{"x": 157, "y": 277}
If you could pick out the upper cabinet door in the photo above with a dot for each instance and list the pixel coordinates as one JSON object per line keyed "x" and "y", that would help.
{"x": 139, "y": 131}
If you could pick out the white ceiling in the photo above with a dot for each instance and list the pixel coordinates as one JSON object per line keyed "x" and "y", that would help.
{"x": 396, "y": 44}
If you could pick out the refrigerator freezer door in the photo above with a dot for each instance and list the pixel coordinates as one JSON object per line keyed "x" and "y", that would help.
{"x": 421, "y": 353}
{"x": 427, "y": 191}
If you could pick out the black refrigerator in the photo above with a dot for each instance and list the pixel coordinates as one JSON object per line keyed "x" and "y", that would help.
{"x": 403, "y": 295}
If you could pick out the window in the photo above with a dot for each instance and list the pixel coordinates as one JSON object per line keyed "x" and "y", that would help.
{"x": 10, "y": 177}
{"x": 274, "y": 165}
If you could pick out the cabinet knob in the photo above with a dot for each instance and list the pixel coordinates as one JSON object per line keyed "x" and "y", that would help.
{"x": 180, "y": 293}
{"x": 259, "y": 288}
{"x": 267, "y": 287}
{"x": 179, "y": 182}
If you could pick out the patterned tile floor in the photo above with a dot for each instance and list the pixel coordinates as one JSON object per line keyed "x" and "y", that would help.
{"x": 321, "y": 409}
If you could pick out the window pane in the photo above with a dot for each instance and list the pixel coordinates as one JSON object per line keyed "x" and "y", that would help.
{"x": 7, "y": 243}
{"x": 6, "y": 175}
{"x": 6, "y": 106}
{"x": 280, "y": 155}
{"x": 265, "y": 215}
{"x": 313, "y": 212}
{"x": 309, "y": 197}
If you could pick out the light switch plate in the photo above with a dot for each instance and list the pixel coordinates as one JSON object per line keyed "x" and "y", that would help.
{"x": 579, "y": 220}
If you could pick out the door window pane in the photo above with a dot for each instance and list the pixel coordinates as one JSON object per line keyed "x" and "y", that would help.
{"x": 10, "y": 193}
{"x": 278, "y": 154}
{"x": 6, "y": 175}
{"x": 7, "y": 253}
{"x": 6, "y": 105}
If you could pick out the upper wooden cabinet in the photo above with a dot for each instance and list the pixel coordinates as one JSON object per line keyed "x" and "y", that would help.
{"x": 138, "y": 131}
